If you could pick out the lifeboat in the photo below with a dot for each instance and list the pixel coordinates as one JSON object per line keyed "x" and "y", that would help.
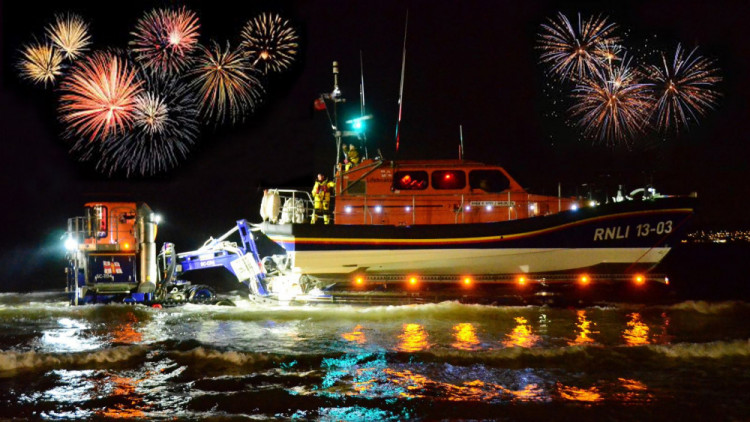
{"x": 460, "y": 219}
{"x": 454, "y": 217}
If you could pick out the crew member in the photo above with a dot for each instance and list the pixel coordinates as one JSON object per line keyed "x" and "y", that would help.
{"x": 322, "y": 199}
{"x": 353, "y": 156}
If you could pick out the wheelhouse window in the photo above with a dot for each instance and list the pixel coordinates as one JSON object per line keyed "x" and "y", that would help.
{"x": 97, "y": 218}
{"x": 448, "y": 179}
{"x": 410, "y": 180}
{"x": 488, "y": 180}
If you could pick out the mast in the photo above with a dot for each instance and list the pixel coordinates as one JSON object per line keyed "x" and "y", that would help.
{"x": 335, "y": 95}
{"x": 401, "y": 88}
{"x": 362, "y": 101}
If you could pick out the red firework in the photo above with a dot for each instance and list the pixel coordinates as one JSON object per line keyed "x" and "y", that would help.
{"x": 164, "y": 39}
{"x": 99, "y": 96}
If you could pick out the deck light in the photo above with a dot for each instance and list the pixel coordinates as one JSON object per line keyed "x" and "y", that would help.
{"x": 468, "y": 208}
{"x": 157, "y": 218}
{"x": 407, "y": 208}
{"x": 413, "y": 280}
{"x": 532, "y": 207}
{"x": 71, "y": 244}
{"x": 574, "y": 207}
{"x": 348, "y": 209}
{"x": 378, "y": 209}
{"x": 639, "y": 279}
{"x": 488, "y": 207}
{"x": 521, "y": 280}
{"x": 467, "y": 281}
{"x": 584, "y": 279}
{"x": 126, "y": 245}
{"x": 359, "y": 281}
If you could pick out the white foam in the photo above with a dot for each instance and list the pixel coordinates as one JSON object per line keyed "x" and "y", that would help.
{"x": 32, "y": 360}
{"x": 704, "y": 307}
{"x": 204, "y": 355}
{"x": 712, "y": 350}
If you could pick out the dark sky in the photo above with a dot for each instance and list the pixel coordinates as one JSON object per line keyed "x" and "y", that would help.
{"x": 469, "y": 63}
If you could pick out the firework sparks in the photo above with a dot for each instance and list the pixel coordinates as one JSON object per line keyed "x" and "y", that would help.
{"x": 150, "y": 112}
{"x": 99, "y": 96}
{"x": 70, "y": 33}
{"x": 572, "y": 52}
{"x": 609, "y": 52}
{"x": 612, "y": 105}
{"x": 270, "y": 40}
{"x": 41, "y": 63}
{"x": 166, "y": 126}
{"x": 684, "y": 88}
{"x": 225, "y": 82}
{"x": 165, "y": 39}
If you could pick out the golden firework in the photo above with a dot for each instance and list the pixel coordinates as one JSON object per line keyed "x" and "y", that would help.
{"x": 41, "y": 63}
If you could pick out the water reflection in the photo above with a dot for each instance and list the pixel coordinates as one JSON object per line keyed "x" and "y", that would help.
{"x": 413, "y": 338}
{"x": 126, "y": 332}
{"x": 356, "y": 335}
{"x": 69, "y": 336}
{"x": 466, "y": 337}
{"x": 636, "y": 392}
{"x": 636, "y": 333}
{"x": 583, "y": 330}
{"x": 579, "y": 394}
{"x": 521, "y": 336}
{"x": 124, "y": 390}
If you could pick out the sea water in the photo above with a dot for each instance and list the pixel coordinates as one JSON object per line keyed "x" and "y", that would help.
{"x": 442, "y": 361}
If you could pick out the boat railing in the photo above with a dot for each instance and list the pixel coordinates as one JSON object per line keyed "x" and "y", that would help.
{"x": 456, "y": 209}
{"x": 285, "y": 206}
{"x": 82, "y": 227}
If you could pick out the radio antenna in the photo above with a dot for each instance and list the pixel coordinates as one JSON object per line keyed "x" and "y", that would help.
{"x": 461, "y": 145}
{"x": 362, "y": 99}
{"x": 401, "y": 89}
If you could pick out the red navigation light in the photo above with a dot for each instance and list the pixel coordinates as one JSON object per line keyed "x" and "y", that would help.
{"x": 639, "y": 279}
{"x": 584, "y": 279}
{"x": 521, "y": 280}
{"x": 448, "y": 176}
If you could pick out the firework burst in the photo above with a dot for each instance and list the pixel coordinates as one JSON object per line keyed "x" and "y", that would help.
{"x": 609, "y": 52}
{"x": 70, "y": 33}
{"x": 612, "y": 105}
{"x": 684, "y": 88}
{"x": 225, "y": 81}
{"x": 151, "y": 112}
{"x": 166, "y": 126}
{"x": 99, "y": 96}
{"x": 41, "y": 63}
{"x": 572, "y": 52}
{"x": 270, "y": 40}
{"x": 165, "y": 39}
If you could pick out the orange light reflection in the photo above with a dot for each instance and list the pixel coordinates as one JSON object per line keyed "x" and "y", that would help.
{"x": 356, "y": 335}
{"x": 584, "y": 330}
{"x": 125, "y": 387}
{"x": 589, "y": 395}
{"x": 466, "y": 337}
{"x": 126, "y": 332}
{"x": 521, "y": 336}
{"x": 413, "y": 338}
{"x": 637, "y": 332}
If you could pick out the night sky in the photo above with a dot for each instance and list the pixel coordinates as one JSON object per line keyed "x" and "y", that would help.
{"x": 468, "y": 63}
